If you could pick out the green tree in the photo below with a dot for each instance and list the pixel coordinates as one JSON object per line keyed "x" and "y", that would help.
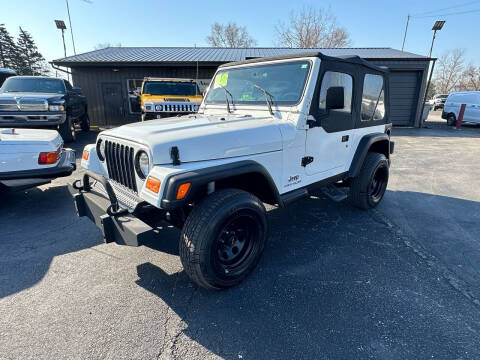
{"x": 31, "y": 61}
{"x": 9, "y": 54}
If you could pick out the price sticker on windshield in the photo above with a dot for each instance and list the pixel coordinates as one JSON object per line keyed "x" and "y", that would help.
{"x": 221, "y": 80}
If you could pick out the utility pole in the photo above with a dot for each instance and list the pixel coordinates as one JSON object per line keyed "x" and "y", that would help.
{"x": 406, "y": 29}
{"x": 71, "y": 29}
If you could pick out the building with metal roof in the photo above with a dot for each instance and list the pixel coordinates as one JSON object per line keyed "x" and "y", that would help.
{"x": 110, "y": 77}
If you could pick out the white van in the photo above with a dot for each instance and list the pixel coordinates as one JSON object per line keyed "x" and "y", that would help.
{"x": 455, "y": 100}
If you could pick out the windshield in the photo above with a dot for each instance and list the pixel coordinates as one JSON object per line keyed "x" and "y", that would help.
{"x": 171, "y": 88}
{"x": 283, "y": 81}
{"x": 442, "y": 96}
{"x": 40, "y": 85}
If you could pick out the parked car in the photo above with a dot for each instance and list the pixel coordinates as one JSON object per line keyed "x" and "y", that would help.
{"x": 438, "y": 101}
{"x": 31, "y": 157}
{"x": 455, "y": 100}
{"x": 43, "y": 102}
{"x": 269, "y": 130}
{"x": 164, "y": 97}
{"x": 6, "y": 73}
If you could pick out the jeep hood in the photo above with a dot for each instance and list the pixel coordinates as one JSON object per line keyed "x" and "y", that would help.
{"x": 203, "y": 137}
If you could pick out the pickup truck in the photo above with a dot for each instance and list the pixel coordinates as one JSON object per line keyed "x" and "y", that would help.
{"x": 43, "y": 102}
{"x": 269, "y": 130}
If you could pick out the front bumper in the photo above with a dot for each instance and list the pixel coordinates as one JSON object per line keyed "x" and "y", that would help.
{"x": 31, "y": 119}
{"x": 117, "y": 224}
{"x": 163, "y": 114}
{"x": 66, "y": 165}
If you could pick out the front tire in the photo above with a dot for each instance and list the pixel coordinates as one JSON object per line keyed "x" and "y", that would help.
{"x": 223, "y": 238}
{"x": 85, "y": 122}
{"x": 369, "y": 186}
{"x": 67, "y": 130}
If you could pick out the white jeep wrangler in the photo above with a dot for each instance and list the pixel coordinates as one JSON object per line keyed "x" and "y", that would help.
{"x": 269, "y": 130}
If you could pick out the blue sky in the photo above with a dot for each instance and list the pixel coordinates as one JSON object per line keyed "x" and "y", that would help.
{"x": 185, "y": 23}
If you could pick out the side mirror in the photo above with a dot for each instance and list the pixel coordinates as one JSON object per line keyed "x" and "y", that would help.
{"x": 76, "y": 91}
{"x": 335, "y": 98}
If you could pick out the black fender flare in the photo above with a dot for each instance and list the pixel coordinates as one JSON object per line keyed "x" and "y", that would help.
{"x": 201, "y": 177}
{"x": 362, "y": 150}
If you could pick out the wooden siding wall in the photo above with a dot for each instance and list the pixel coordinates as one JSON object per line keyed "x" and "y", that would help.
{"x": 408, "y": 66}
{"x": 90, "y": 80}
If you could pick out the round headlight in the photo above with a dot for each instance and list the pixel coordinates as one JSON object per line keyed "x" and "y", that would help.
{"x": 142, "y": 164}
{"x": 101, "y": 150}
{"x": 158, "y": 107}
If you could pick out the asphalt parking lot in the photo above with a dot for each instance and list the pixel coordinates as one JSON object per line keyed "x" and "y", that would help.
{"x": 399, "y": 282}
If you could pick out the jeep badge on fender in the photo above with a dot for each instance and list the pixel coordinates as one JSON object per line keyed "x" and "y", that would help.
{"x": 269, "y": 130}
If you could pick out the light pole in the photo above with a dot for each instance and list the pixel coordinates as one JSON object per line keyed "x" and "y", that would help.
{"x": 61, "y": 26}
{"x": 437, "y": 26}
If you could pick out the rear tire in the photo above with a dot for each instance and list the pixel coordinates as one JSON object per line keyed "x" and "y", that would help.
{"x": 67, "y": 130}
{"x": 85, "y": 122}
{"x": 223, "y": 238}
{"x": 369, "y": 186}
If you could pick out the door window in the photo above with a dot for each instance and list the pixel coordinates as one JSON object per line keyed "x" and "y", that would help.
{"x": 373, "y": 102}
{"x": 67, "y": 85}
{"x": 331, "y": 79}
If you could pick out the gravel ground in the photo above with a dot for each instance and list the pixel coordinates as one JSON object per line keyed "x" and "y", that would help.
{"x": 399, "y": 282}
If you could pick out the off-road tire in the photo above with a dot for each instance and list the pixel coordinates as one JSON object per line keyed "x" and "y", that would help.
{"x": 361, "y": 194}
{"x": 67, "y": 130}
{"x": 85, "y": 122}
{"x": 451, "y": 120}
{"x": 202, "y": 233}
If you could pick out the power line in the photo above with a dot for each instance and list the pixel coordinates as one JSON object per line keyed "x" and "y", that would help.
{"x": 449, "y": 14}
{"x": 447, "y": 8}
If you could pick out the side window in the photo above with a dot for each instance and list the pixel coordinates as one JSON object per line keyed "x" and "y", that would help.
{"x": 373, "y": 102}
{"x": 67, "y": 85}
{"x": 332, "y": 78}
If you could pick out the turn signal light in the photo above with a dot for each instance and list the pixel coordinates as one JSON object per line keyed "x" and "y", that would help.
{"x": 47, "y": 158}
{"x": 183, "y": 190}
{"x": 85, "y": 155}
{"x": 153, "y": 184}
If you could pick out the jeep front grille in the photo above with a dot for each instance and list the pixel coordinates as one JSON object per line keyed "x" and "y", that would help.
{"x": 120, "y": 164}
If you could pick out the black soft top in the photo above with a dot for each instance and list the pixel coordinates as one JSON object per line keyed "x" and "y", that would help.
{"x": 351, "y": 59}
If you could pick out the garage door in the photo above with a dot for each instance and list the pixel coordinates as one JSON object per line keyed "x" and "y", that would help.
{"x": 404, "y": 95}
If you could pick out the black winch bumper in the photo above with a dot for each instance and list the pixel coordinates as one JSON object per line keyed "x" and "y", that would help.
{"x": 117, "y": 224}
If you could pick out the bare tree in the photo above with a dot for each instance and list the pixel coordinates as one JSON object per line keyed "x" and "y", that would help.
{"x": 470, "y": 79}
{"x": 448, "y": 73}
{"x": 230, "y": 35}
{"x": 311, "y": 28}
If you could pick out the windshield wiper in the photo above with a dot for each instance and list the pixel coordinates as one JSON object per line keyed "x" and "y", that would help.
{"x": 226, "y": 97}
{"x": 268, "y": 98}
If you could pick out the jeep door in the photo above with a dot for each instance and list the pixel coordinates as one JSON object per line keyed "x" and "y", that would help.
{"x": 328, "y": 142}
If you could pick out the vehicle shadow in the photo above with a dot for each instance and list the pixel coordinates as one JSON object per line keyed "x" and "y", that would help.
{"x": 83, "y": 138}
{"x": 35, "y": 226}
{"x": 332, "y": 280}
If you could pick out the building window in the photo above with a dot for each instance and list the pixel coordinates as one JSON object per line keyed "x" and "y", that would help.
{"x": 373, "y": 103}
{"x": 332, "y": 78}
{"x": 134, "y": 86}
